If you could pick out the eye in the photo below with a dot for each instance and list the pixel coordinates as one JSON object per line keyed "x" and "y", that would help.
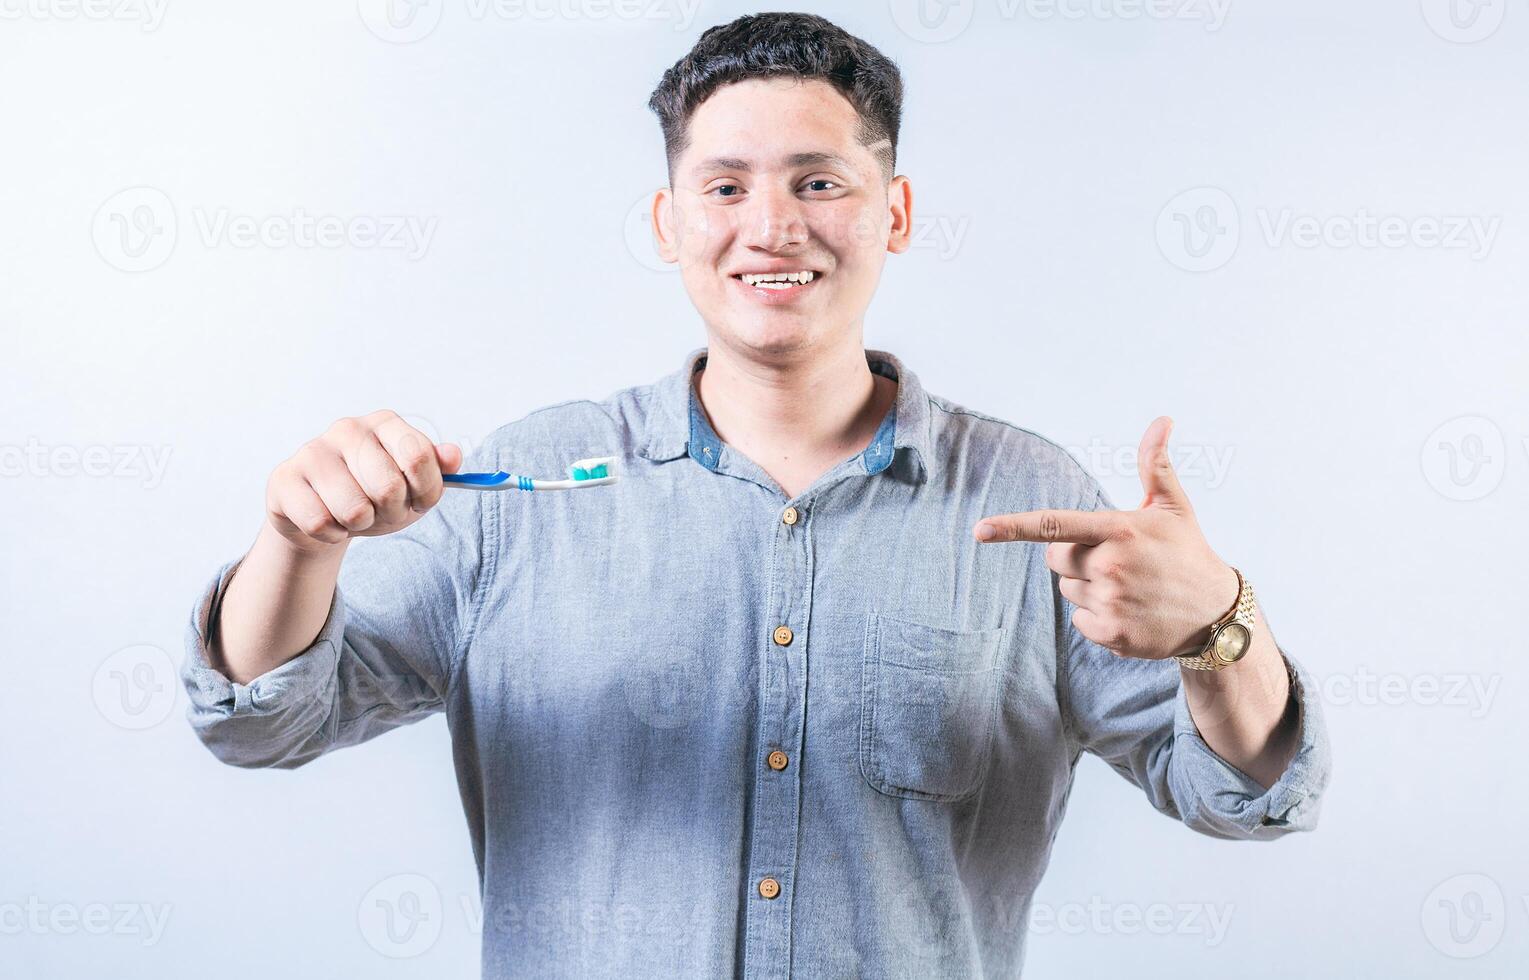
{"x": 822, "y": 180}
{"x": 722, "y": 187}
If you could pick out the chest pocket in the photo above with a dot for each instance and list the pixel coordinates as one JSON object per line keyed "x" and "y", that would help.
{"x": 929, "y": 700}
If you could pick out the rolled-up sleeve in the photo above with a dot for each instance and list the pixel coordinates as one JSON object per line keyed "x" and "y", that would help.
{"x": 402, "y": 613}
{"x": 1134, "y": 714}
{"x": 1219, "y": 799}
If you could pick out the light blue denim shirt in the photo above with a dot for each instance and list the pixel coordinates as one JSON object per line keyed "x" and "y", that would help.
{"x": 821, "y": 736}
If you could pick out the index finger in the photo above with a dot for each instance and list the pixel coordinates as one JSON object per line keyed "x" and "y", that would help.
{"x": 414, "y": 454}
{"x": 1077, "y": 526}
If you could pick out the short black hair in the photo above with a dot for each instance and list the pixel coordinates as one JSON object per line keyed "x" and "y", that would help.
{"x": 784, "y": 44}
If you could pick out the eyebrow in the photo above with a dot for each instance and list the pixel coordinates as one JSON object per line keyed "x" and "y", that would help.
{"x": 805, "y": 159}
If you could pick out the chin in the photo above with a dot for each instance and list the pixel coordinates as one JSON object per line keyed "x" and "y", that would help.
{"x": 775, "y": 336}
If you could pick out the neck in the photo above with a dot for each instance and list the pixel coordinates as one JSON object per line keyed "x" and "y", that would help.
{"x": 795, "y": 414}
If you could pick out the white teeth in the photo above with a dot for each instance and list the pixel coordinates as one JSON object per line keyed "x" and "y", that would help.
{"x": 785, "y": 278}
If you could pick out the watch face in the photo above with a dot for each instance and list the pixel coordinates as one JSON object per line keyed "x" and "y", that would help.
{"x": 1232, "y": 642}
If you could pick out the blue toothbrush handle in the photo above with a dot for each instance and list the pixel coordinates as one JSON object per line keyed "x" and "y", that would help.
{"x": 475, "y": 479}
{"x": 498, "y": 480}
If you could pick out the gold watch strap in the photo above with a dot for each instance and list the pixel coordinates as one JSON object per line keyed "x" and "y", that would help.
{"x": 1243, "y": 610}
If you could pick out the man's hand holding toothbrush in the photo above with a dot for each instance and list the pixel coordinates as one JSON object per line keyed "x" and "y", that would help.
{"x": 364, "y": 476}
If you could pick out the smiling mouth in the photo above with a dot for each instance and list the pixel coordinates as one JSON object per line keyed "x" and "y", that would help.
{"x": 778, "y": 282}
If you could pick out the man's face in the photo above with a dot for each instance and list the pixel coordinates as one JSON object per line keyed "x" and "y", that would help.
{"x": 774, "y": 181}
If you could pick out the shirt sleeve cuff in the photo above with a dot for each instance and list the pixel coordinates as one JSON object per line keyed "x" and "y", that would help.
{"x": 214, "y": 697}
{"x": 1229, "y": 803}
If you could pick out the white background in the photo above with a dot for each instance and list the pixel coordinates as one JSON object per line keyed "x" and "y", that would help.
{"x": 1366, "y": 399}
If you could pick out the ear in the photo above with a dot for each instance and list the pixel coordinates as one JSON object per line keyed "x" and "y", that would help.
{"x": 680, "y": 224}
{"x": 665, "y": 236}
{"x": 900, "y": 205}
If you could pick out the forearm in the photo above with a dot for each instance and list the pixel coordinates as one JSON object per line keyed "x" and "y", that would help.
{"x": 1245, "y": 712}
{"x": 274, "y": 606}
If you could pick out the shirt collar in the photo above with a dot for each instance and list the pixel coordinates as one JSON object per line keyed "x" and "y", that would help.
{"x": 678, "y": 426}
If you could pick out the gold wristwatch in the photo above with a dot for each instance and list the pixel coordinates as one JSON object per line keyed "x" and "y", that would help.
{"x": 1231, "y": 636}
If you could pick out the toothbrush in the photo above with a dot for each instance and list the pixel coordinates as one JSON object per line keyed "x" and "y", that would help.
{"x": 593, "y": 471}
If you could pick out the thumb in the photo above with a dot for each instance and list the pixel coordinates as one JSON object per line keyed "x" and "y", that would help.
{"x": 449, "y": 454}
{"x": 1158, "y": 480}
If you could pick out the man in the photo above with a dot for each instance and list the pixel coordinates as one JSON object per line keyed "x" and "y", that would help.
{"x": 776, "y": 702}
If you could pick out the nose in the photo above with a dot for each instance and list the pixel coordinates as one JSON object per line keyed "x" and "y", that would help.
{"x": 774, "y": 220}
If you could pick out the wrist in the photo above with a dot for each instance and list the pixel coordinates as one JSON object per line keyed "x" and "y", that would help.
{"x": 1227, "y": 592}
{"x": 1229, "y": 637}
{"x": 294, "y": 555}
{"x": 1225, "y": 596}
